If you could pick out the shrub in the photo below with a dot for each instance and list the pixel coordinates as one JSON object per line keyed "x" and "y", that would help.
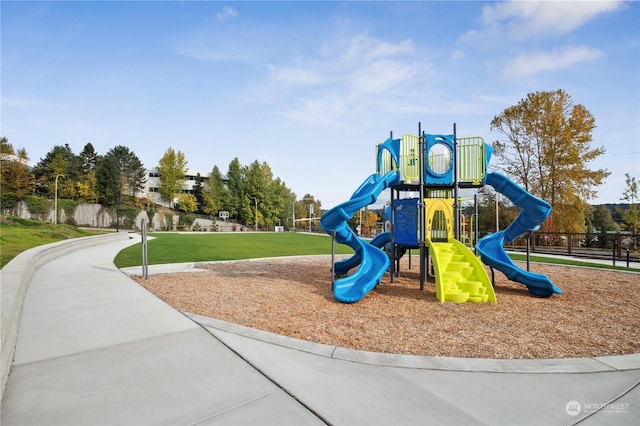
{"x": 69, "y": 207}
{"x": 186, "y": 220}
{"x": 8, "y": 200}
{"x": 37, "y": 205}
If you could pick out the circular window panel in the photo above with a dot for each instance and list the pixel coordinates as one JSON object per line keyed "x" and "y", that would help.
{"x": 439, "y": 158}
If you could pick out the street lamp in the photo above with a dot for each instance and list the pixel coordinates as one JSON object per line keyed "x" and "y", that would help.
{"x": 120, "y": 163}
{"x": 293, "y": 215}
{"x": 55, "y": 201}
{"x": 256, "y": 200}
{"x": 310, "y": 209}
{"x": 310, "y": 213}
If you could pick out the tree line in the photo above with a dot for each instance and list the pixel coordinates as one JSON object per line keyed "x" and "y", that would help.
{"x": 119, "y": 177}
{"x": 545, "y": 146}
{"x": 250, "y": 194}
{"x": 84, "y": 177}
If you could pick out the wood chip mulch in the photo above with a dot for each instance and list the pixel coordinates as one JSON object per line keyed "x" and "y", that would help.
{"x": 597, "y": 314}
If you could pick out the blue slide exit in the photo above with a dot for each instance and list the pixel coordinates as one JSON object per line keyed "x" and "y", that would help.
{"x": 372, "y": 261}
{"x": 533, "y": 212}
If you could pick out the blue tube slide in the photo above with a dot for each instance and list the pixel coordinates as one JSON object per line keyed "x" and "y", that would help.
{"x": 372, "y": 261}
{"x": 533, "y": 212}
{"x": 342, "y": 267}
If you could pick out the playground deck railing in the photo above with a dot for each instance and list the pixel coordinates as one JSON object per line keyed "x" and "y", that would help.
{"x": 471, "y": 164}
{"x": 471, "y": 160}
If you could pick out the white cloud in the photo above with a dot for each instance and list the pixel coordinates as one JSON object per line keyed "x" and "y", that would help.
{"x": 380, "y": 77}
{"x": 210, "y": 52}
{"x": 344, "y": 78}
{"x": 296, "y": 76}
{"x": 457, "y": 54}
{"x": 226, "y": 13}
{"x": 364, "y": 48}
{"x": 520, "y": 20}
{"x": 527, "y": 64}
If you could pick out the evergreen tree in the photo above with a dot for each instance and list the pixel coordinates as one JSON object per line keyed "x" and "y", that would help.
{"x": 236, "y": 181}
{"x": 197, "y": 193}
{"x": 108, "y": 183}
{"x": 86, "y": 189}
{"x": 214, "y": 192}
{"x": 59, "y": 161}
{"x": 131, "y": 172}
{"x": 88, "y": 158}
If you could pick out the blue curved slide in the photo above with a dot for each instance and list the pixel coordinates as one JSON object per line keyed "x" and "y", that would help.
{"x": 533, "y": 211}
{"x": 372, "y": 261}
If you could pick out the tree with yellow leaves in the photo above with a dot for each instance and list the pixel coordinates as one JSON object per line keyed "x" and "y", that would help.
{"x": 546, "y": 147}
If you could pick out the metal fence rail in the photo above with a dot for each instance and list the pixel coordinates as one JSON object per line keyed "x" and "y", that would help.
{"x": 600, "y": 246}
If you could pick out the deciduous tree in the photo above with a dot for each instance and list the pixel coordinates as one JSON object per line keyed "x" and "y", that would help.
{"x": 547, "y": 149}
{"x": 601, "y": 220}
{"x": 16, "y": 180}
{"x": 172, "y": 169}
{"x": 187, "y": 202}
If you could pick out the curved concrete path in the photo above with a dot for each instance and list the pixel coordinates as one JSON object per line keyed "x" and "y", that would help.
{"x": 94, "y": 348}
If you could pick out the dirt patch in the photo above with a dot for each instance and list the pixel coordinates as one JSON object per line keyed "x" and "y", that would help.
{"x": 596, "y": 315}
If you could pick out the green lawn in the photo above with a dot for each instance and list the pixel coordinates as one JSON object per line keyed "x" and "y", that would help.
{"x": 18, "y": 235}
{"x": 202, "y": 247}
{"x": 570, "y": 262}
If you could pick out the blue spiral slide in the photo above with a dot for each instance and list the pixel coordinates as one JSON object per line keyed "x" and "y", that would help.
{"x": 533, "y": 211}
{"x": 372, "y": 262}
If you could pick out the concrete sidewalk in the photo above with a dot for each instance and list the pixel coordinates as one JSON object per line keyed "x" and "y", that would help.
{"x": 95, "y": 348}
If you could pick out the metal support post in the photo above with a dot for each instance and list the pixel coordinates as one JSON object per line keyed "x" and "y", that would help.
{"x": 529, "y": 249}
{"x": 475, "y": 223}
{"x": 392, "y": 229}
{"x": 421, "y": 207}
{"x": 145, "y": 255}
{"x": 456, "y": 196}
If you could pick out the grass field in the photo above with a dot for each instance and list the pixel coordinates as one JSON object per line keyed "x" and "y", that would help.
{"x": 18, "y": 235}
{"x": 562, "y": 261}
{"x": 202, "y": 247}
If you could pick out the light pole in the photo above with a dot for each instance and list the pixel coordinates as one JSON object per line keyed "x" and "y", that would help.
{"x": 55, "y": 201}
{"x": 118, "y": 212}
{"x": 256, "y": 200}
{"x": 310, "y": 209}
{"x": 293, "y": 215}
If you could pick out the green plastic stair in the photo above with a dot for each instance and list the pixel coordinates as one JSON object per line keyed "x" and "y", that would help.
{"x": 460, "y": 276}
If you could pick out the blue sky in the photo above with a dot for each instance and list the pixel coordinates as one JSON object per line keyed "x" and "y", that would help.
{"x": 309, "y": 87}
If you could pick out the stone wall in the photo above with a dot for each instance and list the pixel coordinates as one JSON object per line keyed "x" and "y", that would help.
{"x": 98, "y": 216}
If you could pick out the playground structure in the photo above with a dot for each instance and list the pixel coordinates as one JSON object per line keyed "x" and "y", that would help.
{"x": 436, "y": 167}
